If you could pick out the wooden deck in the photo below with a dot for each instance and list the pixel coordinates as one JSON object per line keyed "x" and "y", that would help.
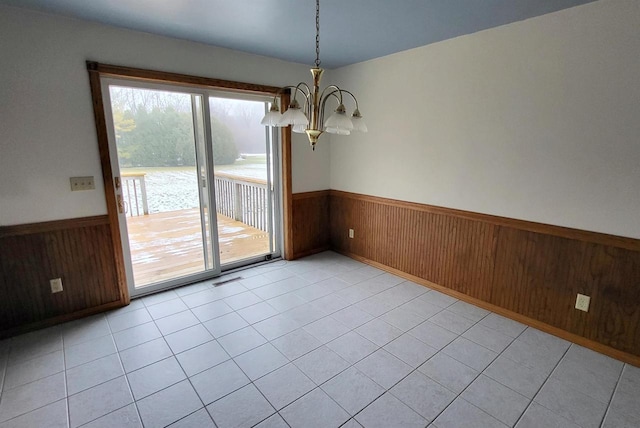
{"x": 169, "y": 245}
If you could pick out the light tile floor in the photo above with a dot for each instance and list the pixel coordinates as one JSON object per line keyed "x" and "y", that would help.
{"x": 321, "y": 342}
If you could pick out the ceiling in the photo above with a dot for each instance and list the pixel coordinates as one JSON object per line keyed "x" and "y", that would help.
{"x": 350, "y": 30}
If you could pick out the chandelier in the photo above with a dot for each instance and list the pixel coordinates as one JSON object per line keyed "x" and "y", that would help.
{"x": 314, "y": 103}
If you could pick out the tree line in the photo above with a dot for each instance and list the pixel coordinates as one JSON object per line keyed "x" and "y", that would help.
{"x": 157, "y": 130}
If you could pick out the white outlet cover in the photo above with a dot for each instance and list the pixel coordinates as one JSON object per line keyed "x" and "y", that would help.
{"x": 582, "y": 302}
{"x": 56, "y": 285}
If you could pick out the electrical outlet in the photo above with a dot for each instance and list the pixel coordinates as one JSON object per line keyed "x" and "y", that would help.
{"x": 351, "y": 233}
{"x": 82, "y": 183}
{"x": 582, "y": 302}
{"x": 56, "y": 285}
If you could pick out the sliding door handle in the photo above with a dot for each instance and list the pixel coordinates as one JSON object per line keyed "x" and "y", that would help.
{"x": 120, "y": 203}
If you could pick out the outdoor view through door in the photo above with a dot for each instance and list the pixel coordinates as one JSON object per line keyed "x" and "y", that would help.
{"x": 182, "y": 154}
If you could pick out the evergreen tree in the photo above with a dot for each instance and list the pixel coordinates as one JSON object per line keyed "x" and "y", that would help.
{"x": 165, "y": 137}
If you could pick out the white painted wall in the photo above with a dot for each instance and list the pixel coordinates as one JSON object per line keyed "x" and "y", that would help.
{"x": 47, "y": 130}
{"x": 310, "y": 169}
{"x": 536, "y": 120}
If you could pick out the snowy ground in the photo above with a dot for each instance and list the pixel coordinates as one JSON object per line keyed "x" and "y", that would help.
{"x": 176, "y": 188}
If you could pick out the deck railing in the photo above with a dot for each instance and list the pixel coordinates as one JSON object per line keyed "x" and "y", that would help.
{"x": 134, "y": 193}
{"x": 241, "y": 198}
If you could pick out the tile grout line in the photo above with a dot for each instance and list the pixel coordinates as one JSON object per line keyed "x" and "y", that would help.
{"x": 66, "y": 385}
{"x": 191, "y": 414}
{"x": 500, "y": 354}
{"x": 63, "y": 371}
{"x": 106, "y": 414}
{"x": 174, "y": 355}
{"x": 533, "y": 400}
{"x": 126, "y": 378}
{"x": 36, "y": 380}
{"x": 615, "y": 389}
{"x": 5, "y": 367}
{"x": 102, "y": 383}
{"x": 188, "y": 379}
{"x": 417, "y": 369}
{"x": 480, "y": 372}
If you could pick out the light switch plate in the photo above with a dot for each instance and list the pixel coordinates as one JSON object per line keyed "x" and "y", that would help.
{"x": 82, "y": 183}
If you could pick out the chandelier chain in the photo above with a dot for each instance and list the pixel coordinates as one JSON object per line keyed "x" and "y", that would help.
{"x": 318, "y": 33}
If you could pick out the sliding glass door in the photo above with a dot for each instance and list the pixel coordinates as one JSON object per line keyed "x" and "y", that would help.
{"x": 244, "y": 188}
{"x": 194, "y": 180}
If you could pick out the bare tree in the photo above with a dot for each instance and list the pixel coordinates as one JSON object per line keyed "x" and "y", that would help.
{"x": 134, "y": 99}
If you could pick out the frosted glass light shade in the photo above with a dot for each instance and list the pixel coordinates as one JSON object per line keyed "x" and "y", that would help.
{"x": 294, "y": 116}
{"x": 358, "y": 123}
{"x": 338, "y": 121}
{"x": 272, "y": 118}
{"x": 299, "y": 128}
{"x": 338, "y": 131}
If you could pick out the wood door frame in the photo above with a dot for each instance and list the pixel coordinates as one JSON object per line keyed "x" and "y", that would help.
{"x": 98, "y": 70}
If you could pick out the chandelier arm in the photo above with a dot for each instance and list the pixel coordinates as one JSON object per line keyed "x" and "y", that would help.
{"x": 337, "y": 89}
{"x": 329, "y": 95}
{"x": 283, "y": 89}
{"x": 297, "y": 89}
{"x": 332, "y": 94}
{"x": 352, "y": 96}
{"x": 305, "y": 86}
{"x": 307, "y": 96}
{"x": 278, "y": 93}
{"x": 334, "y": 90}
{"x": 324, "y": 102}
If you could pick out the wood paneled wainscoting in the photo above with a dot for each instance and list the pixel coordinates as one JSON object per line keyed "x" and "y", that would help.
{"x": 528, "y": 271}
{"x": 80, "y": 251}
{"x": 310, "y": 223}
